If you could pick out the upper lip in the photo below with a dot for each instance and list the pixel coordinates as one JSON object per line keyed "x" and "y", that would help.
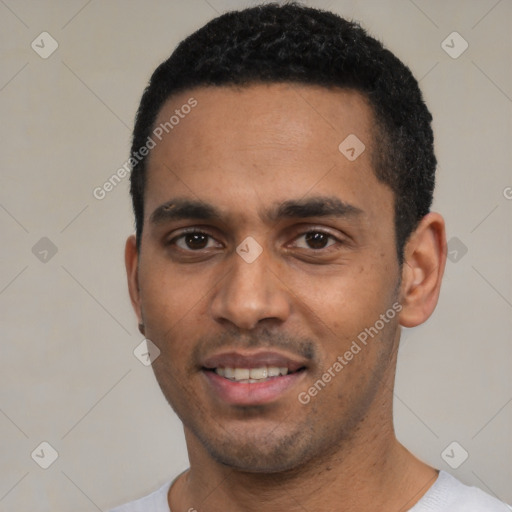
{"x": 236, "y": 359}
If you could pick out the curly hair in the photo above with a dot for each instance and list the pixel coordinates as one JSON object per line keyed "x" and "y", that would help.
{"x": 293, "y": 43}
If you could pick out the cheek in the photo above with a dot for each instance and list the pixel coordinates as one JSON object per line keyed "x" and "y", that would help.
{"x": 170, "y": 308}
{"x": 166, "y": 293}
{"x": 352, "y": 291}
{"x": 341, "y": 307}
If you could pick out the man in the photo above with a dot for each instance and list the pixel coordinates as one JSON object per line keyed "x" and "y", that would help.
{"x": 283, "y": 172}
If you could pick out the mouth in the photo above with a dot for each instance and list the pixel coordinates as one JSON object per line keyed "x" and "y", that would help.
{"x": 252, "y": 379}
{"x": 252, "y": 375}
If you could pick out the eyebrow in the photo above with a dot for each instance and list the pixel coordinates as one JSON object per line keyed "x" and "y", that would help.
{"x": 179, "y": 209}
{"x": 319, "y": 206}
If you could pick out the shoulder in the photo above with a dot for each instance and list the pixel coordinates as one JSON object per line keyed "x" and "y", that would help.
{"x": 154, "y": 502}
{"x": 449, "y": 494}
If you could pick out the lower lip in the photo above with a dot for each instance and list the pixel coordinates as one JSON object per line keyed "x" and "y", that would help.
{"x": 252, "y": 393}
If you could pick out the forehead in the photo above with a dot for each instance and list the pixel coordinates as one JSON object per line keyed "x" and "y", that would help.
{"x": 292, "y": 115}
{"x": 265, "y": 141}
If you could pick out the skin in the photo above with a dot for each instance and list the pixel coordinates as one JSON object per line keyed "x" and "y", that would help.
{"x": 245, "y": 151}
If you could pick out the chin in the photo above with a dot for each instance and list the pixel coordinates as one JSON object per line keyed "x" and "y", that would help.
{"x": 265, "y": 453}
{"x": 250, "y": 460}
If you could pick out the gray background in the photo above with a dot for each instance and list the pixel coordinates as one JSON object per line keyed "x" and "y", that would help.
{"x": 68, "y": 374}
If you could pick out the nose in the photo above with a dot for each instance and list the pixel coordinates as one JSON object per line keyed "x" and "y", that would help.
{"x": 250, "y": 293}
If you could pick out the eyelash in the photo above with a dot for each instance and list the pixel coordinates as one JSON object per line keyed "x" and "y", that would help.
{"x": 186, "y": 232}
{"x": 195, "y": 231}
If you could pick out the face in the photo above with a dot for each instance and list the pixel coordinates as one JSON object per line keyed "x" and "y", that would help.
{"x": 266, "y": 256}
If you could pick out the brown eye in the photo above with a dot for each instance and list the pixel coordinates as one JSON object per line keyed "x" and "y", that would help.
{"x": 316, "y": 240}
{"x": 194, "y": 241}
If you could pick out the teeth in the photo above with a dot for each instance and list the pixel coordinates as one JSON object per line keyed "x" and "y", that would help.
{"x": 251, "y": 374}
{"x": 242, "y": 373}
{"x": 273, "y": 371}
{"x": 259, "y": 373}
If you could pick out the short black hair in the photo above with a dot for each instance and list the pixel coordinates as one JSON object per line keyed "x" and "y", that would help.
{"x": 293, "y": 43}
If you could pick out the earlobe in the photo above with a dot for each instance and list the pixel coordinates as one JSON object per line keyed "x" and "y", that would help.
{"x": 131, "y": 258}
{"x": 422, "y": 272}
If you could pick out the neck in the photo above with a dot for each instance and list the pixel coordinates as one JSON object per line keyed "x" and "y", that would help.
{"x": 370, "y": 471}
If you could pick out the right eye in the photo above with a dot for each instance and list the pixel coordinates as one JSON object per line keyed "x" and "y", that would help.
{"x": 194, "y": 240}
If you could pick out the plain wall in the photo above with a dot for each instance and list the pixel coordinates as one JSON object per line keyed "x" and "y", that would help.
{"x": 68, "y": 374}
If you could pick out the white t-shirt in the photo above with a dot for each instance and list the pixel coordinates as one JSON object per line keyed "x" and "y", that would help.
{"x": 447, "y": 494}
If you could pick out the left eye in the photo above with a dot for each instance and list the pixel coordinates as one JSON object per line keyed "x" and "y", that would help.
{"x": 315, "y": 240}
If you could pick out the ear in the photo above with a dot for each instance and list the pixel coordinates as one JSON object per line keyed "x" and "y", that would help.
{"x": 422, "y": 271}
{"x": 131, "y": 259}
